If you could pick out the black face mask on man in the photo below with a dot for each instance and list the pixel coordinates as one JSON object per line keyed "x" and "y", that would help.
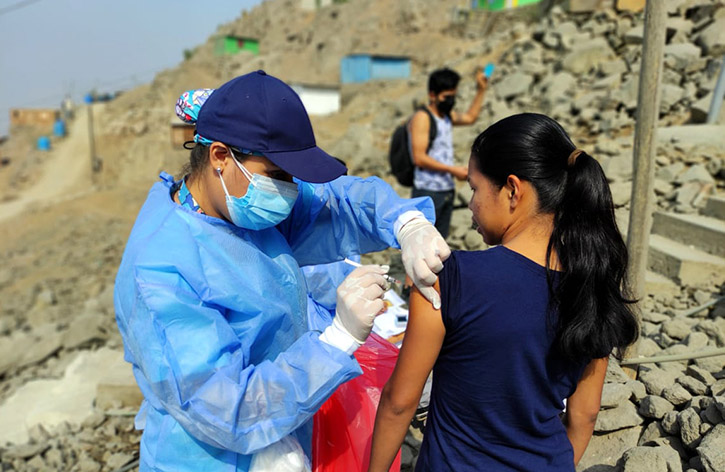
{"x": 446, "y": 105}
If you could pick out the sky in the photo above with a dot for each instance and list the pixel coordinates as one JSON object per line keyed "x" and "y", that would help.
{"x": 53, "y": 47}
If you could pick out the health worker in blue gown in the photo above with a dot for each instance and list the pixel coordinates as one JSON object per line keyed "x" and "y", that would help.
{"x": 210, "y": 299}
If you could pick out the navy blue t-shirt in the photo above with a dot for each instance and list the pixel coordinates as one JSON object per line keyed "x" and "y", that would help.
{"x": 498, "y": 387}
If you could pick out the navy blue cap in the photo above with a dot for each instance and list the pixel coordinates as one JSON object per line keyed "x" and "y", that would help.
{"x": 261, "y": 113}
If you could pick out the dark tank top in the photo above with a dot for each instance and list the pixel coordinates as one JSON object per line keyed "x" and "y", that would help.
{"x": 498, "y": 386}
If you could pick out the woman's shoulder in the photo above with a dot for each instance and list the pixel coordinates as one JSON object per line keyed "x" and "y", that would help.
{"x": 477, "y": 258}
{"x": 495, "y": 265}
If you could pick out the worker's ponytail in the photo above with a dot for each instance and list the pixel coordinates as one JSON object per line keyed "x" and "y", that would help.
{"x": 591, "y": 295}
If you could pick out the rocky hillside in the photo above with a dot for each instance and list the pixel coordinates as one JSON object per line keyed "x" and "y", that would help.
{"x": 59, "y": 258}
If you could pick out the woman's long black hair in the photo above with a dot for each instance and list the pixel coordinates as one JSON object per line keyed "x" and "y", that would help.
{"x": 595, "y": 312}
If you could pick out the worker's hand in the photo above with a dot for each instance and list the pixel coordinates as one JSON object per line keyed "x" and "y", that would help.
{"x": 360, "y": 300}
{"x": 481, "y": 80}
{"x": 424, "y": 251}
{"x": 459, "y": 172}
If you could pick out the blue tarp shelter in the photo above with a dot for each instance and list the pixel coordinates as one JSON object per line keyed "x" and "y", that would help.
{"x": 358, "y": 68}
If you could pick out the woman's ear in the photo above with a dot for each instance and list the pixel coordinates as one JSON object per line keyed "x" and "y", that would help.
{"x": 514, "y": 189}
{"x": 218, "y": 154}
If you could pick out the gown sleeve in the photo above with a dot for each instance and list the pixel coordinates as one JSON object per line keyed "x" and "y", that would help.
{"x": 347, "y": 216}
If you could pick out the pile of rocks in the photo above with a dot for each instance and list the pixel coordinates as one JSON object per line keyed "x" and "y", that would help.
{"x": 583, "y": 69}
{"x": 102, "y": 443}
{"x": 674, "y": 414}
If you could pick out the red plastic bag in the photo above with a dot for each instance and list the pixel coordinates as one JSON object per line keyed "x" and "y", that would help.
{"x": 343, "y": 427}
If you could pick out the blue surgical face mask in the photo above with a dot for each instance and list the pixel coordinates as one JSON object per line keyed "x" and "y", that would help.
{"x": 267, "y": 201}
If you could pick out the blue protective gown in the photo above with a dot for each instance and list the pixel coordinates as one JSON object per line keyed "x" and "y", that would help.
{"x": 214, "y": 320}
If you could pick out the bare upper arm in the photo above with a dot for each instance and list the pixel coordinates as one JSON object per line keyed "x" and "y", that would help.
{"x": 419, "y": 133}
{"x": 421, "y": 346}
{"x": 461, "y": 119}
{"x": 587, "y": 398}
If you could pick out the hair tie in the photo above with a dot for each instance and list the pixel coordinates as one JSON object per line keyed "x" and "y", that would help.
{"x": 573, "y": 156}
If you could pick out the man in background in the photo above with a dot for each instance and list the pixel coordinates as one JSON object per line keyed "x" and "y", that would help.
{"x": 434, "y": 164}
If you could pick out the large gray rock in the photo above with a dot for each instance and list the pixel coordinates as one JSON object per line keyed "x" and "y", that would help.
{"x": 670, "y": 423}
{"x": 635, "y": 35}
{"x": 627, "y": 94}
{"x": 712, "y": 449}
{"x": 615, "y": 394}
{"x": 672, "y": 442}
{"x": 711, "y": 364}
{"x": 695, "y": 173}
{"x": 569, "y": 34}
{"x": 655, "y": 379}
{"x": 621, "y": 193}
{"x": 514, "y": 85}
{"x": 615, "y": 374}
{"x": 686, "y": 194}
{"x": 680, "y": 56}
{"x": 712, "y": 38}
{"x": 651, "y": 459}
{"x": 638, "y": 390}
{"x": 670, "y": 172}
{"x": 588, "y": 55}
{"x": 651, "y": 432}
{"x": 25, "y": 349}
{"x": 712, "y": 414}
{"x": 558, "y": 87}
{"x": 670, "y": 95}
{"x": 689, "y": 427}
{"x": 12, "y": 350}
{"x": 717, "y": 387}
{"x": 84, "y": 329}
{"x": 676, "y": 394}
{"x": 619, "y": 168}
{"x": 692, "y": 385}
{"x": 696, "y": 341}
{"x": 613, "y": 419}
{"x": 615, "y": 67}
{"x": 25, "y": 451}
{"x": 715, "y": 328}
{"x": 606, "y": 449}
{"x": 676, "y": 328}
{"x": 653, "y": 406}
{"x": 689, "y": 137}
{"x": 700, "y": 374}
{"x": 647, "y": 347}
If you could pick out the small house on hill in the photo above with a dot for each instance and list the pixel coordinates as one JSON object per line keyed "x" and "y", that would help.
{"x": 495, "y": 5}
{"x": 180, "y": 133}
{"x": 318, "y": 99}
{"x": 41, "y": 118}
{"x": 224, "y": 45}
{"x": 314, "y": 4}
{"x": 358, "y": 68}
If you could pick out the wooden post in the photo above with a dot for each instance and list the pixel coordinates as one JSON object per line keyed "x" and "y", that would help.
{"x": 645, "y": 146}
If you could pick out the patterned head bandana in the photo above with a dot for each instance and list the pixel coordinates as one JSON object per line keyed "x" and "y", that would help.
{"x": 188, "y": 106}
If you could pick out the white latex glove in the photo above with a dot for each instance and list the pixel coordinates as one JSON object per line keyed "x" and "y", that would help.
{"x": 360, "y": 300}
{"x": 424, "y": 251}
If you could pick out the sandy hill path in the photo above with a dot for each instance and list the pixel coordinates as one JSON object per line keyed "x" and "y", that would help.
{"x": 66, "y": 174}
